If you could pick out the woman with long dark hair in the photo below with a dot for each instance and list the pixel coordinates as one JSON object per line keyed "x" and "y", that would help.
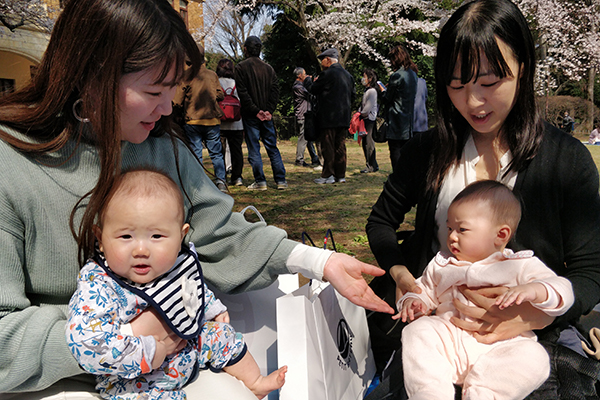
{"x": 101, "y": 101}
{"x": 488, "y": 127}
{"x": 398, "y": 101}
{"x": 368, "y": 113}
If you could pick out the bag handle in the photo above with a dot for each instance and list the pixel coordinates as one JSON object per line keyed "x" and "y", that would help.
{"x": 229, "y": 91}
{"x": 328, "y": 234}
{"x": 252, "y": 208}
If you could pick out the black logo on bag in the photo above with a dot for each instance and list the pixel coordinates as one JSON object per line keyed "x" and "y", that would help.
{"x": 344, "y": 343}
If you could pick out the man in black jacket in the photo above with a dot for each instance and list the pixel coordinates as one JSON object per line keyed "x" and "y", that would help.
{"x": 335, "y": 92}
{"x": 258, "y": 89}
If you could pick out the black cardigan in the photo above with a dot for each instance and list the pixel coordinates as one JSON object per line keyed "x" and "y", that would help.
{"x": 560, "y": 217}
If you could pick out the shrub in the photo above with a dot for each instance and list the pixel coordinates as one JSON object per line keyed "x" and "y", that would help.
{"x": 556, "y": 106}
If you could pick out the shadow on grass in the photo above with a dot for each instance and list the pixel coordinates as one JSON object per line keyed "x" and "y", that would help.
{"x": 312, "y": 208}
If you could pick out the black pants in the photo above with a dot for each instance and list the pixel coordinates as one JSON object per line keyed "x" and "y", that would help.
{"x": 395, "y": 146}
{"x": 333, "y": 149}
{"x": 235, "y": 140}
{"x": 368, "y": 146}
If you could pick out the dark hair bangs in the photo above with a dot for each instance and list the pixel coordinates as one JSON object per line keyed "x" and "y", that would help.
{"x": 469, "y": 49}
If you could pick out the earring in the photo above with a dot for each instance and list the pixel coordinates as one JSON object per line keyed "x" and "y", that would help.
{"x": 77, "y": 117}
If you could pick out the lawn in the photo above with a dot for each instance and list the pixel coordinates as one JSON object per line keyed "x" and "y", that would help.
{"x": 311, "y": 208}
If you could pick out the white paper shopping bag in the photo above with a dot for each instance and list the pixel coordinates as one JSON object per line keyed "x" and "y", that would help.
{"x": 324, "y": 340}
{"x": 253, "y": 314}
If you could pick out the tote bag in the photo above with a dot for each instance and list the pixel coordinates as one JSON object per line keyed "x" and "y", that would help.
{"x": 380, "y": 131}
{"x": 323, "y": 338}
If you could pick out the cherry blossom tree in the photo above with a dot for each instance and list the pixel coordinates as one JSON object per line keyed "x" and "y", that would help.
{"x": 569, "y": 41}
{"x": 15, "y": 14}
{"x": 357, "y": 24}
{"x": 360, "y": 25}
{"x": 226, "y": 27}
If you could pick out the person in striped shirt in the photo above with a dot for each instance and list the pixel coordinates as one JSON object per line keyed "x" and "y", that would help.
{"x": 141, "y": 262}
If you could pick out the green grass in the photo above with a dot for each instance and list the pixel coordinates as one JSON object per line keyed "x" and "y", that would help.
{"x": 311, "y": 208}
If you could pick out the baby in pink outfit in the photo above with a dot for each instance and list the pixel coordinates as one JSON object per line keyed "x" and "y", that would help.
{"x": 436, "y": 354}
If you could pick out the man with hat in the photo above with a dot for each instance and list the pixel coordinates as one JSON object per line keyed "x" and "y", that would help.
{"x": 334, "y": 89}
{"x": 258, "y": 89}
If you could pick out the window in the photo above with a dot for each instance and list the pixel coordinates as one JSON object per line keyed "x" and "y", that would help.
{"x": 6, "y": 86}
{"x": 183, "y": 5}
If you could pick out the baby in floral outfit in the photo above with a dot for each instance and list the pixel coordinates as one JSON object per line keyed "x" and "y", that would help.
{"x": 139, "y": 263}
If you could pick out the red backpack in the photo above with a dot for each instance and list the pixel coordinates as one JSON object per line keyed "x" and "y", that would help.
{"x": 231, "y": 106}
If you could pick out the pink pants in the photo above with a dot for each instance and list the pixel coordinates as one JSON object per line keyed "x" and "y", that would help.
{"x": 436, "y": 355}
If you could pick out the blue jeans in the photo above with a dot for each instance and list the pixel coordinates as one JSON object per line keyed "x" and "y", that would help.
{"x": 257, "y": 130}
{"x": 212, "y": 136}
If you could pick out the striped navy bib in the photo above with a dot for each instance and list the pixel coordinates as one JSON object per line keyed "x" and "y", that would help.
{"x": 178, "y": 295}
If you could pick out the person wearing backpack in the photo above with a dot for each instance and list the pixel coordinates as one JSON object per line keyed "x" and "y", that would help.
{"x": 232, "y": 129}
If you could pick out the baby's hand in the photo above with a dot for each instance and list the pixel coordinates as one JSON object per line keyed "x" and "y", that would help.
{"x": 410, "y": 308}
{"x": 531, "y": 292}
{"x": 223, "y": 317}
{"x": 171, "y": 344}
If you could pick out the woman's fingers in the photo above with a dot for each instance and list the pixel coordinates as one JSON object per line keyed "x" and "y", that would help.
{"x": 483, "y": 297}
{"x": 473, "y": 312}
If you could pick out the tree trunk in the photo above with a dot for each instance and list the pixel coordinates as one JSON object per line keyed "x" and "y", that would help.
{"x": 591, "y": 81}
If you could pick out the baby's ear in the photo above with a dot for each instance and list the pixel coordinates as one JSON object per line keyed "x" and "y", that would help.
{"x": 98, "y": 234}
{"x": 184, "y": 230}
{"x": 504, "y": 235}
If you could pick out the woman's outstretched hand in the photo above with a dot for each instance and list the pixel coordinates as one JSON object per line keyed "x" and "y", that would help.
{"x": 490, "y": 324}
{"x": 345, "y": 275}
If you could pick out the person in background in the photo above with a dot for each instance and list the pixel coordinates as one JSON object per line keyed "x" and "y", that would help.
{"x": 420, "y": 118}
{"x": 398, "y": 101}
{"x": 334, "y": 89}
{"x": 232, "y": 132}
{"x": 488, "y": 127}
{"x": 142, "y": 262}
{"x": 567, "y": 123}
{"x": 198, "y": 98}
{"x": 303, "y": 102}
{"x": 368, "y": 113}
{"x": 259, "y": 93}
{"x": 70, "y": 132}
{"x": 594, "y": 135}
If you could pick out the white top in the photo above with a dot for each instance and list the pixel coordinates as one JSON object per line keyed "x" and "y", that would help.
{"x": 457, "y": 178}
{"x": 369, "y": 108}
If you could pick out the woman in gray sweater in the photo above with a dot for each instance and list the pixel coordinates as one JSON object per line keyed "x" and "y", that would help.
{"x": 368, "y": 113}
{"x": 100, "y": 102}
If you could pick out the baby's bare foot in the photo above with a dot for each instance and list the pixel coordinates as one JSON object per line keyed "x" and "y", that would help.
{"x": 266, "y": 384}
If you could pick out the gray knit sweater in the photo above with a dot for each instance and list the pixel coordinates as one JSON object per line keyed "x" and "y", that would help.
{"x": 38, "y": 255}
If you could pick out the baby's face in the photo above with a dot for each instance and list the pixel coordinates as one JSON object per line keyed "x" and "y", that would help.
{"x": 472, "y": 235}
{"x": 141, "y": 236}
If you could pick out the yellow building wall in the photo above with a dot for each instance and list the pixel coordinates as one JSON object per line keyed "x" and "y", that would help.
{"x": 32, "y": 44}
{"x": 195, "y": 10}
{"x": 195, "y": 15}
{"x": 14, "y": 66}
